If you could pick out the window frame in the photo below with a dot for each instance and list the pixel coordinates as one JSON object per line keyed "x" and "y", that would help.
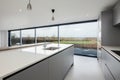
{"x": 35, "y": 37}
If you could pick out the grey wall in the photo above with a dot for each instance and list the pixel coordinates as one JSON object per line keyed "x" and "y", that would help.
{"x": 3, "y": 38}
{"x": 116, "y": 13}
{"x": 110, "y": 34}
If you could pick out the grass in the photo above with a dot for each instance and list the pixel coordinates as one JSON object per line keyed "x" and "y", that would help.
{"x": 78, "y": 42}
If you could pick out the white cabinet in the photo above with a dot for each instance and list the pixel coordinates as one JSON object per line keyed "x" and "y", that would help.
{"x": 60, "y": 64}
{"x": 37, "y": 72}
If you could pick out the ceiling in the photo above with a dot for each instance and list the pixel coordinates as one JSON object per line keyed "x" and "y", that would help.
{"x": 14, "y": 15}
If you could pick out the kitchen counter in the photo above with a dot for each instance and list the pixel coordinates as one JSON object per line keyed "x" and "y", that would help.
{"x": 14, "y": 60}
{"x": 109, "y": 48}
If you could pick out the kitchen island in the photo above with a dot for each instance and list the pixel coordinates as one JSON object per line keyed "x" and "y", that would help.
{"x": 36, "y": 63}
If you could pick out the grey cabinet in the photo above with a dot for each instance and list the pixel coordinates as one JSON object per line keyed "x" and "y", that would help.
{"x": 117, "y": 14}
{"x": 112, "y": 65}
{"x": 36, "y": 72}
{"x": 55, "y": 67}
{"x": 60, "y": 64}
{"x": 107, "y": 73}
{"x": 109, "y": 33}
{"x": 67, "y": 61}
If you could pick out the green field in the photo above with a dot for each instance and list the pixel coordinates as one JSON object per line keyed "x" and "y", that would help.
{"x": 81, "y": 43}
{"x": 78, "y": 42}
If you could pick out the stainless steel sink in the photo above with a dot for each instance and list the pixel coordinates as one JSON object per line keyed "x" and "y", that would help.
{"x": 116, "y": 52}
{"x": 51, "y": 48}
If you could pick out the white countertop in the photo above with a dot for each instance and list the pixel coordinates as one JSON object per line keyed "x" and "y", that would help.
{"x": 109, "y": 48}
{"x": 14, "y": 60}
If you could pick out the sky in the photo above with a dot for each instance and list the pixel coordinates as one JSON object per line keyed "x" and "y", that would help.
{"x": 80, "y": 30}
{"x": 74, "y": 30}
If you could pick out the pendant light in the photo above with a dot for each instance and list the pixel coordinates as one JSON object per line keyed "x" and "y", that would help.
{"x": 29, "y": 6}
{"x": 53, "y": 18}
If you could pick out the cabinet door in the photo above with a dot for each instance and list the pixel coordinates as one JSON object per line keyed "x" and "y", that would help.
{"x": 67, "y": 60}
{"x": 55, "y": 65}
{"x": 36, "y": 72}
{"x": 71, "y": 56}
{"x": 107, "y": 73}
{"x": 60, "y": 64}
{"x": 117, "y": 14}
{"x": 113, "y": 65}
{"x": 105, "y": 68}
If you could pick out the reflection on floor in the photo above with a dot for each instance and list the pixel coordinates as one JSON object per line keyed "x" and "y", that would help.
{"x": 85, "y": 52}
{"x": 85, "y": 68}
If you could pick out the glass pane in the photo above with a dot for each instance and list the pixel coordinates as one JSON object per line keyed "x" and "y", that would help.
{"x": 28, "y": 36}
{"x": 83, "y": 36}
{"x": 14, "y": 38}
{"x": 48, "y": 34}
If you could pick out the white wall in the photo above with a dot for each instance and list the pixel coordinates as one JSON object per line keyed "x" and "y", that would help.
{"x": 3, "y": 38}
{"x": 14, "y": 15}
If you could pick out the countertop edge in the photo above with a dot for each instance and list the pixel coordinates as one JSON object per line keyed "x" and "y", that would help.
{"x": 108, "y": 49}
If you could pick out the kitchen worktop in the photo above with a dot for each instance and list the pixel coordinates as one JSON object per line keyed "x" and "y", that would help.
{"x": 14, "y": 60}
{"x": 109, "y": 48}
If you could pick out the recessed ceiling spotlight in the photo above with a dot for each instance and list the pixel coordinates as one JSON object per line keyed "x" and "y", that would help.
{"x": 20, "y": 10}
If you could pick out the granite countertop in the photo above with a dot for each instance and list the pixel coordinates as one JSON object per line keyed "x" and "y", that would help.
{"x": 109, "y": 48}
{"x": 14, "y": 60}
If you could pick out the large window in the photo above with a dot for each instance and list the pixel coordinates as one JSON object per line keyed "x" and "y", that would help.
{"x": 83, "y": 33}
{"x": 83, "y": 36}
{"x": 28, "y": 36}
{"x": 14, "y": 38}
{"x": 48, "y": 34}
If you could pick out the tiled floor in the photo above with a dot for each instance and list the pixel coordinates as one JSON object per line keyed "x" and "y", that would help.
{"x": 85, "y": 68}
